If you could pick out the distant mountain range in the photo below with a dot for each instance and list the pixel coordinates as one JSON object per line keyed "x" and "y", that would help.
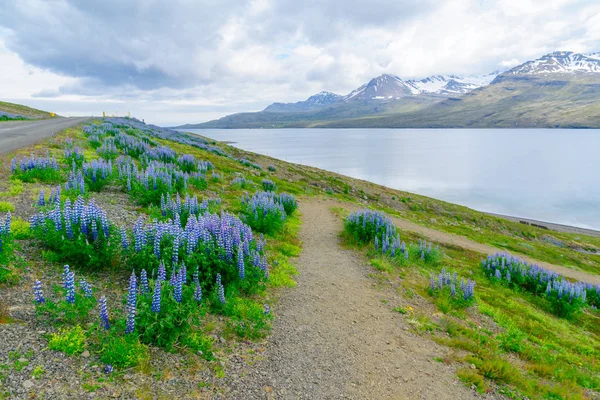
{"x": 560, "y": 89}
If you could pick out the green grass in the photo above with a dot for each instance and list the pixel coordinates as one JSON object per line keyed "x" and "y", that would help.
{"x": 23, "y": 110}
{"x": 510, "y": 337}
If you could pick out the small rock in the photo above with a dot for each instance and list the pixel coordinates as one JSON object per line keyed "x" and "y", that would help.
{"x": 365, "y": 197}
{"x": 473, "y": 366}
{"x": 22, "y": 360}
{"x": 85, "y": 354}
{"x": 222, "y": 339}
{"x": 28, "y": 384}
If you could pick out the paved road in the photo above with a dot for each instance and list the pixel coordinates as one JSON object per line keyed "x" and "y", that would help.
{"x": 17, "y": 134}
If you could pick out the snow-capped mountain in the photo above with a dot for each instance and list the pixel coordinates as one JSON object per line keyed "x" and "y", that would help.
{"x": 387, "y": 87}
{"x": 451, "y": 84}
{"x": 315, "y": 101}
{"x": 559, "y": 62}
{"x": 381, "y": 88}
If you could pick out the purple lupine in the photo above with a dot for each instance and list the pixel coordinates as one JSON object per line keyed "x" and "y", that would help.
{"x": 131, "y": 304}
{"x": 124, "y": 239}
{"x": 85, "y": 287}
{"x": 103, "y": 313}
{"x": 267, "y": 309}
{"x": 177, "y": 290}
{"x": 156, "y": 296}
{"x": 108, "y": 369}
{"x": 65, "y": 275}
{"x": 195, "y": 277}
{"x": 38, "y": 294}
{"x": 70, "y": 286}
{"x": 183, "y": 272}
{"x": 241, "y": 266}
{"x": 162, "y": 271}
{"x": 7, "y": 223}
{"x": 220, "y": 289}
{"x": 144, "y": 287}
{"x": 432, "y": 283}
{"x": 41, "y": 199}
{"x": 198, "y": 293}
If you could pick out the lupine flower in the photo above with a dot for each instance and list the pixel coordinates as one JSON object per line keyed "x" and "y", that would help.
{"x": 41, "y": 199}
{"x": 220, "y": 289}
{"x": 108, "y": 369}
{"x": 70, "y": 286}
{"x": 241, "y": 266}
{"x": 7, "y": 223}
{"x": 198, "y": 293}
{"x": 267, "y": 309}
{"x": 131, "y": 304}
{"x": 38, "y": 294}
{"x": 103, "y": 313}
{"x": 156, "y": 297}
{"x": 86, "y": 287}
{"x": 144, "y": 287}
{"x": 162, "y": 271}
{"x": 177, "y": 290}
{"x": 196, "y": 277}
{"x": 124, "y": 239}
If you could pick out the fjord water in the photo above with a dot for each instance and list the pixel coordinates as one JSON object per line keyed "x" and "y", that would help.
{"x": 545, "y": 174}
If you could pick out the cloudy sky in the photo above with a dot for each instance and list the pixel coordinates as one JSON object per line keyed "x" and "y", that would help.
{"x": 177, "y": 61}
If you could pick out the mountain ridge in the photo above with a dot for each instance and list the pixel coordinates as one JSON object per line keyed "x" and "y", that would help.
{"x": 558, "y": 89}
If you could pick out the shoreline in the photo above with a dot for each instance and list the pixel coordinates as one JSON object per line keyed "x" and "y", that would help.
{"x": 547, "y": 225}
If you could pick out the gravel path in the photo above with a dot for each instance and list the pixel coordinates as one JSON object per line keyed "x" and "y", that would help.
{"x": 334, "y": 338}
{"x": 465, "y": 243}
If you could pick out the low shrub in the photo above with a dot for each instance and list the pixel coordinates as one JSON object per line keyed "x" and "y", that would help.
{"x": 97, "y": 174}
{"x": 242, "y": 183}
{"x": 367, "y": 225}
{"x": 41, "y": 169}
{"x": 79, "y": 234}
{"x": 69, "y": 340}
{"x": 122, "y": 351}
{"x": 268, "y": 185}
{"x": 566, "y": 299}
{"x": 212, "y": 243}
{"x": 263, "y": 213}
{"x": 450, "y": 293}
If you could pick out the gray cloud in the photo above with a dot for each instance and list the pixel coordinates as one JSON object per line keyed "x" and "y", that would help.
{"x": 236, "y": 54}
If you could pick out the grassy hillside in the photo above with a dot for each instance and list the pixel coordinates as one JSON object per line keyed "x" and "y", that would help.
{"x": 25, "y": 111}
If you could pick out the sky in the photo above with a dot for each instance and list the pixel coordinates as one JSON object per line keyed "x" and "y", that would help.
{"x": 187, "y": 61}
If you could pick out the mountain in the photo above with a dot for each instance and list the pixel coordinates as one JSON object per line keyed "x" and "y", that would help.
{"x": 313, "y": 102}
{"x": 559, "y": 89}
{"x": 451, "y": 84}
{"x": 560, "y": 62}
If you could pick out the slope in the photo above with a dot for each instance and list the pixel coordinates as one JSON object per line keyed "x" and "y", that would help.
{"x": 22, "y": 110}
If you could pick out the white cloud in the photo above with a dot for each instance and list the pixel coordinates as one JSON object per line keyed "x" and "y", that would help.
{"x": 232, "y": 55}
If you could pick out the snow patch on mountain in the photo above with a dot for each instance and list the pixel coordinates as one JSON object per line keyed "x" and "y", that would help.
{"x": 559, "y": 62}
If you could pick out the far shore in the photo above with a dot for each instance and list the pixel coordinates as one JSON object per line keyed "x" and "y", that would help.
{"x": 548, "y": 225}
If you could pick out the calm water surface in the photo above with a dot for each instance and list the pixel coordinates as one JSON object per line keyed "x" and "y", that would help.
{"x": 544, "y": 174}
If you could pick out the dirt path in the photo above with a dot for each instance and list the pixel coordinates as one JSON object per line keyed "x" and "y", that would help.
{"x": 334, "y": 338}
{"x": 468, "y": 244}
{"x": 463, "y": 242}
